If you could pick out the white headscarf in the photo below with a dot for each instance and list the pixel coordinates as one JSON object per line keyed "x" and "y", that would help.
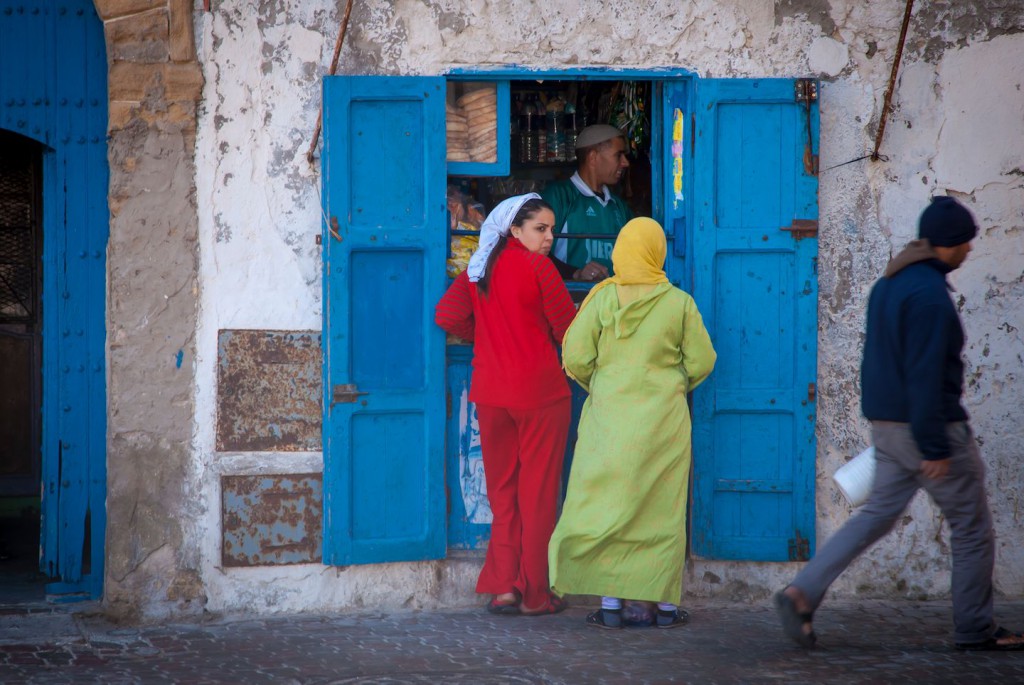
{"x": 497, "y": 224}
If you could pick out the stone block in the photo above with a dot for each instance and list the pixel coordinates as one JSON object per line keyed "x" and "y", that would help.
{"x": 131, "y": 81}
{"x": 121, "y": 113}
{"x": 183, "y": 82}
{"x": 111, "y": 9}
{"x": 139, "y": 37}
{"x": 182, "y": 41}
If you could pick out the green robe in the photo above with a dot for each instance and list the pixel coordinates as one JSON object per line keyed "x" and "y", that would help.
{"x": 622, "y": 532}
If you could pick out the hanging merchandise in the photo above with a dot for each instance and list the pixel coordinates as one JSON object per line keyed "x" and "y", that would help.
{"x": 631, "y": 116}
{"x": 529, "y": 125}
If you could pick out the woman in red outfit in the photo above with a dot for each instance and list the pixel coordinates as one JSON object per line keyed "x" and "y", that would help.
{"x": 512, "y": 304}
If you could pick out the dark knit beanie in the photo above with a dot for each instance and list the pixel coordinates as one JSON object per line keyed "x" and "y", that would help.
{"x": 946, "y": 223}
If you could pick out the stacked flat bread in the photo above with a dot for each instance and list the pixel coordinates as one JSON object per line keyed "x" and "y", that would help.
{"x": 472, "y": 126}
{"x": 457, "y": 131}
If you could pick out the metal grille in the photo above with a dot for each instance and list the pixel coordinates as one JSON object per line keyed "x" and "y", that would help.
{"x": 18, "y": 255}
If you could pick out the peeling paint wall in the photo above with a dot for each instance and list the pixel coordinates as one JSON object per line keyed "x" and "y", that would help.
{"x": 957, "y": 127}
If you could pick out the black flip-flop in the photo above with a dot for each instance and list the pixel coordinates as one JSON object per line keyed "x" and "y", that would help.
{"x": 608, "y": 619}
{"x": 793, "y": 621}
{"x": 992, "y": 644}
{"x": 672, "y": 619}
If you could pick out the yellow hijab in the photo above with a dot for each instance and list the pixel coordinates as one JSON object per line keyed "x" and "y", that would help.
{"x": 638, "y": 257}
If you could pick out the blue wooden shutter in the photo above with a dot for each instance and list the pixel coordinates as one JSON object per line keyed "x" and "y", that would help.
{"x": 384, "y": 270}
{"x": 755, "y": 281}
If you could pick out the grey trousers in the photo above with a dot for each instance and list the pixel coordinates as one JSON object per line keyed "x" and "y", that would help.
{"x": 962, "y": 499}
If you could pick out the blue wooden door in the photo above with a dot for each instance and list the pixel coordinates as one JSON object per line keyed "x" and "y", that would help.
{"x": 384, "y": 270}
{"x": 53, "y": 89}
{"x": 754, "y": 263}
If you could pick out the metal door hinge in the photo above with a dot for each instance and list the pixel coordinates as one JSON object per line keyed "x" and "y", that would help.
{"x": 334, "y": 228}
{"x": 810, "y": 161}
{"x": 812, "y": 392}
{"x": 802, "y": 228}
{"x": 345, "y": 394}
{"x": 799, "y": 547}
{"x": 806, "y": 90}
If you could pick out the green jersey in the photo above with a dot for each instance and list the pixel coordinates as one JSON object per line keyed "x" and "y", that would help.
{"x": 579, "y": 210}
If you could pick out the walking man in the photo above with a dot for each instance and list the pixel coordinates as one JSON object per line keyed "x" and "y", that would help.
{"x": 912, "y": 382}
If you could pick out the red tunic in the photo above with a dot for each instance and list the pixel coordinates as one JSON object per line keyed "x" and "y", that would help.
{"x": 516, "y": 328}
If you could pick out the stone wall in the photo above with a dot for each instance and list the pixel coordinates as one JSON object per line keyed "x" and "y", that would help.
{"x": 154, "y": 83}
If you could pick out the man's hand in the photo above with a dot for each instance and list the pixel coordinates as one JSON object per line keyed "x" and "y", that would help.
{"x": 592, "y": 271}
{"x": 935, "y": 469}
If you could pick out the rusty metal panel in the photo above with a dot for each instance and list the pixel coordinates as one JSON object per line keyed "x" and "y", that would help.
{"x": 269, "y": 390}
{"x": 272, "y": 519}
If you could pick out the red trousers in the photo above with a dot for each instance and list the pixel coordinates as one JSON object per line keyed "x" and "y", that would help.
{"x": 522, "y": 452}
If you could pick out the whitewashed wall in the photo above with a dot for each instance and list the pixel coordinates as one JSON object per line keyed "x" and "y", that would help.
{"x": 957, "y": 128}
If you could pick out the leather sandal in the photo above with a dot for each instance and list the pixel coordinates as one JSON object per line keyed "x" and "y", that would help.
{"x": 554, "y": 605}
{"x": 504, "y": 608}
{"x": 993, "y": 644}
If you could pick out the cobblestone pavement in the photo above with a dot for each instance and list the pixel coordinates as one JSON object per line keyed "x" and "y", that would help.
{"x": 865, "y": 642}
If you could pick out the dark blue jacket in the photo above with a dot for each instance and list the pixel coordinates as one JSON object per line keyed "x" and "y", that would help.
{"x": 912, "y": 371}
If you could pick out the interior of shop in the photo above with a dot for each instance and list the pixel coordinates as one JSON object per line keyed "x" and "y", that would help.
{"x": 545, "y": 118}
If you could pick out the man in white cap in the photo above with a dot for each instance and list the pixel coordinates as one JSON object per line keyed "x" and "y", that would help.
{"x": 584, "y": 204}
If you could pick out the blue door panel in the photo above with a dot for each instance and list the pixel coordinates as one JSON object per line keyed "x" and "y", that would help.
{"x": 53, "y": 89}
{"x": 469, "y": 512}
{"x": 384, "y": 414}
{"x": 387, "y": 354}
{"x": 756, "y": 287}
{"x": 384, "y": 446}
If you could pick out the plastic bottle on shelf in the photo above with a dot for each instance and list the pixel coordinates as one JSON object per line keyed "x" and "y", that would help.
{"x": 555, "y": 135}
{"x": 540, "y": 138}
{"x": 571, "y": 131}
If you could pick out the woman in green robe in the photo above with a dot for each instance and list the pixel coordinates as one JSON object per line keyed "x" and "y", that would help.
{"x": 637, "y": 345}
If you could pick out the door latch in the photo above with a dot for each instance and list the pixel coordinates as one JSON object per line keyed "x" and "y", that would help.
{"x": 799, "y": 547}
{"x": 345, "y": 394}
{"x": 802, "y": 228}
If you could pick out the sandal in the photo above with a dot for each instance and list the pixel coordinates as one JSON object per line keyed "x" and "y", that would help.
{"x": 672, "y": 619}
{"x": 554, "y": 605}
{"x": 609, "y": 619}
{"x": 504, "y": 608}
{"x": 793, "y": 621}
{"x": 993, "y": 644}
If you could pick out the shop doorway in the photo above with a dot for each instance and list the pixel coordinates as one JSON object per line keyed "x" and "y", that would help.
{"x": 544, "y": 118}
{"x": 733, "y": 181}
